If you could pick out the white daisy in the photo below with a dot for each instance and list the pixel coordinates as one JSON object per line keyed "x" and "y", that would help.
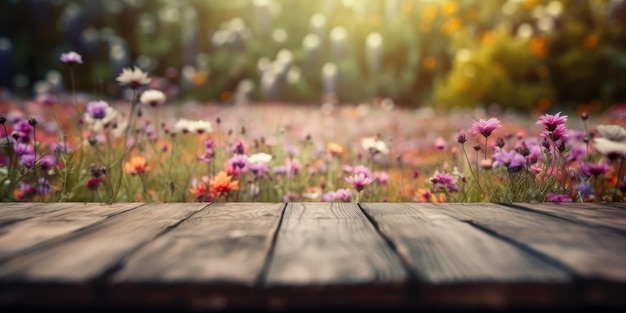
{"x": 152, "y": 97}
{"x": 134, "y": 78}
{"x": 261, "y": 157}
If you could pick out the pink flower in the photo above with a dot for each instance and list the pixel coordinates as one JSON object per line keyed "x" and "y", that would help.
{"x": 558, "y": 198}
{"x": 552, "y": 121}
{"x": 485, "y": 127}
{"x": 71, "y": 58}
{"x": 440, "y": 143}
{"x": 359, "y": 181}
{"x": 560, "y": 132}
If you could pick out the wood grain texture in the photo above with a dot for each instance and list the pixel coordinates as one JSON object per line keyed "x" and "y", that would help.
{"x": 330, "y": 252}
{"x": 23, "y": 210}
{"x": 212, "y": 260}
{"x": 596, "y": 256}
{"x": 57, "y": 220}
{"x": 447, "y": 255}
{"x": 68, "y": 273}
{"x": 592, "y": 214}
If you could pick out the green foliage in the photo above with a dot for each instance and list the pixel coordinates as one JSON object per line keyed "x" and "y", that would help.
{"x": 501, "y": 69}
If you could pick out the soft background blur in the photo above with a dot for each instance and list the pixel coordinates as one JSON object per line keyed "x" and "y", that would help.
{"x": 520, "y": 54}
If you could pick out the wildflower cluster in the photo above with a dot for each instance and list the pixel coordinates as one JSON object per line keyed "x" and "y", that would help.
{"x": 141, "y": 150}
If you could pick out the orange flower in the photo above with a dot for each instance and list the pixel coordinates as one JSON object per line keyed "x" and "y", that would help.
{"x": 334, "y": 148}
{"x": 136, "y": 166}
{"x": 222, "y": 184}
{"x": 201, "y": 191}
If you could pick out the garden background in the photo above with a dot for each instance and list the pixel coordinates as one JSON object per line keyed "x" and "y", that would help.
{"x": 312, "y": 100}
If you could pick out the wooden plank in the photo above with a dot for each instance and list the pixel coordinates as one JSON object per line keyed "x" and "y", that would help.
{"x": 593, "y": 214}
{"x": 74, "y": 266}
{"x": 54, "y": 221}
{"x": 329, "y": 254}
{"x": 212, "y": 260}
{"x": 596, "y": 256}
{"x": 617, "y": 205}
{"x": 24, "y": 210}
{"x": 459, "y": 266}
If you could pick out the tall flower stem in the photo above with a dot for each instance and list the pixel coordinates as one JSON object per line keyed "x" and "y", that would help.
{"x": 469, "y": 164}
{"x": 486, "y": 142}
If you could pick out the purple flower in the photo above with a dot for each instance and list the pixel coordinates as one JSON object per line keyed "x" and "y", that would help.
{"x": 48, "y": 162}
{"x": 461, "y": 137}
{"x": 485, "y": 127}
{"x": 259, "y": 169}
{"x": 590, "y": 169}
{"x": 238, "y": 162}
{"x": 63, "y": 147}
{"x": 97, "y": 109}
{"x": 47, "y": 99}
{"x": 207, "y": 156}
{"x": 293, "y": 167}
{"x": 23, "y": 129}
{"x": 551, "y": 122}
{"x": 240, "y": 147}
{"x": 359, "y": 181}
{"x": 28, "y": 160}
{"x": 71, "y": 58}
{"x": 585, "y": 189}
{"x": 444, "y": 182}
{"x": 43, "y": 186}
{"x": 558, "y": 198}
{"x": 534, "y": 153}
{"x": 209, "y": 144}
{"x": 512, "y": 160}
{"x": 22, "y": 149}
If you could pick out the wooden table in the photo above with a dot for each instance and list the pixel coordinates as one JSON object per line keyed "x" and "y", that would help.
{"x": 276, "y": 256}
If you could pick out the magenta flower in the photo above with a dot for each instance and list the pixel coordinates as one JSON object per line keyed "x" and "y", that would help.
{"x": 359, "y": 181}
{"x": 558, "y": 198}
{"x": 71, "y": 58}
{"x": 444, "y": 182}
{"x": 590, "y": 169}
{"x": 485, "y": 127}
{"x": 559, "y": 133}
{"x": 48, "y": 162}
{"x": 550, "y": 122}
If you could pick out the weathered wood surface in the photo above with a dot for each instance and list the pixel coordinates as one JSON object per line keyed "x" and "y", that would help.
{"x": 595, "y": 256}
{"x": 594, "y": 214}
{"x": 223, "y": 247}
{"x": 334, "y": 248}
{"x": 444, "y": 252}
{"x": 276, "y": 256}
{"x": 52, "y": 221}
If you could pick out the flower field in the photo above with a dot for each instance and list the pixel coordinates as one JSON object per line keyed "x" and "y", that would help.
{"x": 81, "y": 148}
